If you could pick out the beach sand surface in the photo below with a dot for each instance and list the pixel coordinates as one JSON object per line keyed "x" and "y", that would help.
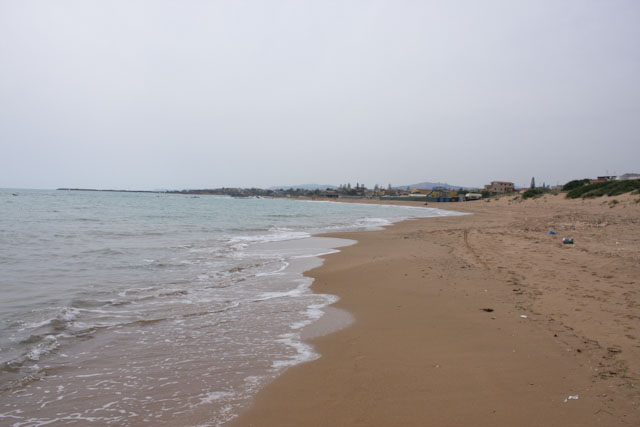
{"x": 477, "y": 320}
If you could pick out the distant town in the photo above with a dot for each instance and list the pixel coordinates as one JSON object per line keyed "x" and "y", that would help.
{"x": 427, "y": 192}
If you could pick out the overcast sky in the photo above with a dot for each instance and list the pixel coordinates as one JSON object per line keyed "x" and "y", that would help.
{"x": 189, "y": 94}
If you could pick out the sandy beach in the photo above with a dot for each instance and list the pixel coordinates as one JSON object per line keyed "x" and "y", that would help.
{"x": 483, "y": 319}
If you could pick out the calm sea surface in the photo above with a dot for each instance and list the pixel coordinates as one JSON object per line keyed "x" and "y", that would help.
{"x": 130, "y": 308}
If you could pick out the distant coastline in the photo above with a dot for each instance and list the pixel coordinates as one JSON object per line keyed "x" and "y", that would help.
{"x": 111, "y": 191}
{"x": 234, "y": 192}
{"x": 425, "y": 191}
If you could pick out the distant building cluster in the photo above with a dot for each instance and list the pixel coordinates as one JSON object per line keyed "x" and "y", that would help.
{"x": 360, "y": 191}
{"x": 623, "y": 177}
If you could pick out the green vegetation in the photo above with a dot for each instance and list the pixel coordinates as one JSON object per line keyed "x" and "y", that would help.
{"x": 532, "y": 192}
{"x": 610, "y": 188}
{"x": 575, "y": 184}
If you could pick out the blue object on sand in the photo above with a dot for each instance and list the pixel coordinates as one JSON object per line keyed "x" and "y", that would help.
{"x": 552, "y": 232}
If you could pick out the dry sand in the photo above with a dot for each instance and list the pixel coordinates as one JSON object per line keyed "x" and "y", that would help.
{"x": 423, "y": 351}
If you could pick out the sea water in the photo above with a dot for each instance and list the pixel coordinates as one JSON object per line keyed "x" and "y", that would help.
{"x": 133, "y": 308}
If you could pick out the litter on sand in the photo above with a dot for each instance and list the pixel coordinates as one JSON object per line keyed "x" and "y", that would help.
{"x": 567, "y": 241}
{"x": 524, "y": 316}
{"x": 552, "y": 233}
{"x": 571, "y": 398}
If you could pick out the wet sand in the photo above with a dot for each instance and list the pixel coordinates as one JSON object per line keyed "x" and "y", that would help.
{"x": 485, "y": 319}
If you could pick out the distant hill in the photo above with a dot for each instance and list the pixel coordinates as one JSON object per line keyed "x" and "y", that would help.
{"x": 430, "y": 186}
{"x": 310, "y": 187}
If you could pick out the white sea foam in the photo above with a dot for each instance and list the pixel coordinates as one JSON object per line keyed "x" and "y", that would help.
{"x": 304, "y": 352}
{"x": 283, "y": 266}
{"x": 65, "y": 317}
{"x": 48, "y": 344}
{"x": 314, "y": 311}
{"x": 316, "y": 255}
{"x": 300, "y": 290}
{"x": 277, "y": 235}
{"x": 372, "y": 222}
{"x": 135, "y": 291}
{"x": 212, "y": 396}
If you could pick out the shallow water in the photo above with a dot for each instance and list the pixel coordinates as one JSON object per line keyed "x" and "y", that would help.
{"x": 130, "y": 308}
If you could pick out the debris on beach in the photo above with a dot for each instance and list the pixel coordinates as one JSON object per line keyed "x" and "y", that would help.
{"x": 524, "y": 316}
{"x": 488, "y": 310}
{"x": 567, "y": 241}
{"x": 576, "y": 397}
{"x": 552, "y": 233}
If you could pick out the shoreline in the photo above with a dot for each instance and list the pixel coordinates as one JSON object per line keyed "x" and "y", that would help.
{"x": 423, "y": 348}
{"x": 237, "y": 298}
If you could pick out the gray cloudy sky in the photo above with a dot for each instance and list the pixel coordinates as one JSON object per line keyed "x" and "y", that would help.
{"x": 188, "y": 94}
